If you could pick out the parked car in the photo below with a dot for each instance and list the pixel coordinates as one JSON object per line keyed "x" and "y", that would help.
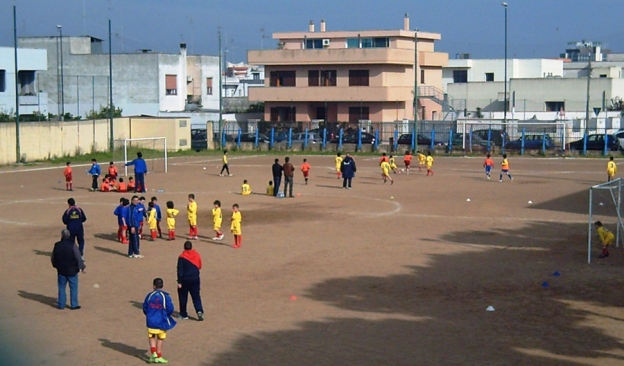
{"x": 496, "y": 136}
{"x": 280, "y": 136}
{"x": 352, "y": 138}
{"x": 458, "y": 140}
{"x": 620, "y": 136}
{"x": 251, "y": 137}
{"x": 406, "y": 139}
{"x": 531, "y": 142}
{"x": 597, "y": 142}
{"x": 299, "y": 138}
{"x": 199, "y": 140}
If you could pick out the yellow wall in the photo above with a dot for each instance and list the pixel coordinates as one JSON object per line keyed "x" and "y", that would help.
{"x": 44, "y": 140}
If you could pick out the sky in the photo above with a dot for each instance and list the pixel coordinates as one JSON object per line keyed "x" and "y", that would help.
{"x": 536, "y": 28}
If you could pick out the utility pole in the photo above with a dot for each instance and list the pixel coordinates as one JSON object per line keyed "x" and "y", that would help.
{"x": 111, "y": 144}
{"x": 17, "y": 125}
{"x": 60, "y": 28}
{"x": 587, "y": 95}
{"x": 220, "y": 81}
{"x": 416, "y": 85}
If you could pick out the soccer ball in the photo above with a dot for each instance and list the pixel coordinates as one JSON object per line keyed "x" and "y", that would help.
{"x": 402, "y": 170}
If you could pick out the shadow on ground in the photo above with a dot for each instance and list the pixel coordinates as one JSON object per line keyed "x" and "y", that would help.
{"x": 110, "y": 251}
{"x": 125, "y": 349}
{"x": 43, "y": 299}
{"x": 436, "y": 314}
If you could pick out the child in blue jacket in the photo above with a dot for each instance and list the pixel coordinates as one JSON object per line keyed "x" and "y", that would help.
{"x": 158, "y": 308}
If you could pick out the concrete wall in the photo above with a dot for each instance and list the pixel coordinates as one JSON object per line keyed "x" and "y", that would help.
{"x": 44, "y": 140}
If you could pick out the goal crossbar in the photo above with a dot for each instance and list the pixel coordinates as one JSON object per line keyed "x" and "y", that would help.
{"x": 615, "y": 189}
{"x": 125, "y": 147}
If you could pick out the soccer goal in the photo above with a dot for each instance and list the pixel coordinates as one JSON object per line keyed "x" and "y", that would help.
{"x": 154, "y": 150}
{"x": 604, "y": 205}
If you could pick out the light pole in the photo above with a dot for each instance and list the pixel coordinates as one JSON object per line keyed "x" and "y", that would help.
{"x": 506, "y": 101}
{"x": 62, "y": 116}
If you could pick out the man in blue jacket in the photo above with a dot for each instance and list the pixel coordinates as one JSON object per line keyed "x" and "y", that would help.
{"x": 137, "y": 212}
{"x": 348, "y": 169}
{"x": 140, "y": 169}
{"x": 73, "y": 218}
{"x": 158, "y": 308}
{"x": 95, "y": 172}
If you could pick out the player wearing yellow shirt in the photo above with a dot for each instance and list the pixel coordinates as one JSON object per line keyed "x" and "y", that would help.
{"x": 235, "y": 226}
{"x": 504, "y": 169}
{"x": 245, "y": 188}
{"x": 191, "y": 213}
{"x": 393, "y": 165}
{"x": 151, "y": 221}
{"x": 611, "y": 169}
{"x": 338, "y": 161}
{"x": 270, "y": 189}
{"x": 385, "y": 172}
{"x": 217, "y": 219}
{"x": 225, "y": 167}
{"x": 606, "y": 237}
{"x": 429, "y": 162}
{"x": 171, "y": 221}
{"x": 421, "y": 160}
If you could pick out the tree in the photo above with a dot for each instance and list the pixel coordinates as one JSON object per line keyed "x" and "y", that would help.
{"x": 103, "y": 113}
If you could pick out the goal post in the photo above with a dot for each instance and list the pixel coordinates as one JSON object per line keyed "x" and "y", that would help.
{"x": 604, "y": 203}
{"x": 153, "y": 149}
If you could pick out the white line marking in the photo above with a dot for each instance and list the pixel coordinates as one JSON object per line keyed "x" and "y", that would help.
{"x": 481, "y": 218}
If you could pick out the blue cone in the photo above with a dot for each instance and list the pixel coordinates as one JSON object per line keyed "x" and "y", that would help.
{"x": 545, "y": 284}
{"x": 556, "y": 274}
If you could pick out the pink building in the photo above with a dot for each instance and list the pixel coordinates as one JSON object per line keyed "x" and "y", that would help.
{"x": 348, "y": 75}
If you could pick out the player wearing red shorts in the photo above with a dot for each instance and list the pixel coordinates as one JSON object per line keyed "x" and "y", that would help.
{"x": 305, "y": 168}
{"x": 407, "y": 160}
{"x": 69, "y": 184}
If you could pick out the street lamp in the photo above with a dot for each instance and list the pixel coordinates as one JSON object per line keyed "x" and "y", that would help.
{"x": 506, "y": 101}
{"x": 62, "y": 116}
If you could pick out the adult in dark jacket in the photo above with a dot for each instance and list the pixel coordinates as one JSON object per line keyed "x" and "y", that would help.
{"x": 140, "y": 169}
{"x": 348, "y": 169}
{"x": 136, "y": 215}
{"x": 277, "y": 176}
{"x": 289, "y": 174}
{"x": 67, "y": 261}
{"x": 189, "y": 264}
{"x": 73, "y": 218}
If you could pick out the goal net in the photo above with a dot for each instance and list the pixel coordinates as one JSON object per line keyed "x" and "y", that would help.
{"x": 154, "y": 150}
{"x": 604, "y": 205}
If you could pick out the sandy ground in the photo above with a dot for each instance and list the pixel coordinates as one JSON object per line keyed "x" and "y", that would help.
{"x": 383, "y": 275}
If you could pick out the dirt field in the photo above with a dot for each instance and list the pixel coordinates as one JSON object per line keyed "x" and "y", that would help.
{"x": 383, "y": 275}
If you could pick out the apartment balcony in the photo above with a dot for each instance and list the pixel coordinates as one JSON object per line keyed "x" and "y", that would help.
{"x": 332, "y": 56}
{"x": 330, "y": 94}
{"x": 28, "y": 100}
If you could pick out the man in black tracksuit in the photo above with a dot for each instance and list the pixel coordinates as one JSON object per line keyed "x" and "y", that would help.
{"x": 277, "y": 176}
{"x": 189, "y": 264}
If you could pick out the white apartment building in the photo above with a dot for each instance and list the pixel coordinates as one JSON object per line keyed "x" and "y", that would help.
{"x": 239, "y": 77}
{"x": 31, "y": 63}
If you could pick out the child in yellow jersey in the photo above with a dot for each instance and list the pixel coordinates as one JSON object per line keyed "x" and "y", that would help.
{"x": 191, "y": 214}
{"x": 151, "y": 221}
{"x": 245, "y": 188}
{"x": 270, "y": 189}
{"x": 216, "y": 220}
{"x": 171, "y": 221}
{"x": 504, "y": 169}
{"x": 429, "y": 162}
{"x": 338, "y": 161}
{"x": 611, "y": 169}
{"x": 225, "y": 166}
{"x": 606, "y": 237}
{"x": 235, "y": 226}
{"x": 393, "y": 165}
{"x": 421, "y": 160}
{"x": 385, "y": 172}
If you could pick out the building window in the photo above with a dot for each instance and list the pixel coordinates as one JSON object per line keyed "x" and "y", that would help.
{"x": 603, "y": 76}
{"x": 283, "y": 78}
{"x": 377, "y": 42}
{"x": 2, "y": 81}
{"x": 312, "y": 43}
{"x": 353, "y": 43}
{"x": 313, "y": 78}
{"x": 358, "y": 113}
{"x": 171, "y": 84}
{"x": 358, "y": 78}
{"x": 460, "y": 76}
{"x": 322, "y": 78}
{"x": 283, "y": 114}
{"x": 555, "y": 106}
{"x": 366, "y": 43}
{"x": 256, "y": 75}
{"x": 26, "y": 82}
{"x": 209, "y": 86}
{"x": 489, "y": 76}
{"x": 422, "y": 76}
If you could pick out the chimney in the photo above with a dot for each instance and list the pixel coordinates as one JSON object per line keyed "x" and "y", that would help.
{"x": 311, "y": 27}
{"x": 406, "y": 22}
{"x": 322, "y": 25}
{"x": 183, "y": 49}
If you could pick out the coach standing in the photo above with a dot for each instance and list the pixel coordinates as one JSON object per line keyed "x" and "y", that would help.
{"x": 67, "y": 261}
{"x": 189, "y": 264}
{"x": 277, "y": 176}
{"x": 348, "y": 169}
{"x": 73, "y": 218}
{"x": 289, "y": 173}
{"x": 140, "y": 169}
{"x": 137, "y": 212}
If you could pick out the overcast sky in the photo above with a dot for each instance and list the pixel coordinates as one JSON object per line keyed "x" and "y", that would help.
{"x": 537, "y": 28}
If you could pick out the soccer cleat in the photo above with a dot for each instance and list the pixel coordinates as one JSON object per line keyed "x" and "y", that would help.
{"x": 215, "y": 238}
{"x": 200, "y": 315}
{"x": 220, "y": 175}
{"x": 131, "y": 256}
{"x": 138, "y": 256}
{"x": 185, "y": 317}
{"x": 501, "y": 181}
{"x": 153, "y": 357}
{"x": 230, "y": 175}
{"x": 160, "y": 360}
{"x": 221, "y": 237}
{"x": 391, "y": 182}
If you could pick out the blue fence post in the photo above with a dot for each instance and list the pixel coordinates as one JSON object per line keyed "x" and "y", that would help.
{"x": 522, "y": 141}
{"x": 431, "y": 147}
{"x": 324, "y": 138}
{"x": 223, "y": 138}
{"x": 359, "y": 144}
{"x": 376, "y": 144}
{"x": 470, "y": 138}
{"x": 490, "y": 138}
{"x": 544, "y": 143}
{"x": 504, "y": 140}
{"x": 606, "y": 147}
{"x": 413, "y": 144}
{"x": 450, "y": 140}
{"x": 340, "y": 139}
{"x": 289, "y": 138}
{"x": 272, "y": 139}
{"x": 585, "y": 143}
{"x": 240, "y": 131}
{"x": 395, "y": 143}
{"x": 256, "y": 138}
{"x": 305, "y": 139}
